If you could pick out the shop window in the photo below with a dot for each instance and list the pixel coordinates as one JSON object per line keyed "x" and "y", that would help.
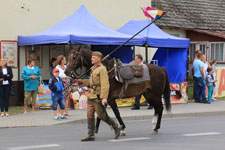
{"x": 197, "y": 46}
{"x": 192, "y": 50}
{"x": 217, "y": 51}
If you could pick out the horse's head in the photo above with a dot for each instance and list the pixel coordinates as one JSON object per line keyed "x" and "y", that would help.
{"x": 78, "y": 59}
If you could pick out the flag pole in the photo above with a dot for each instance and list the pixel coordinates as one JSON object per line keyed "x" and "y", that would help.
{"x": 125, "y": 42}
{"x": 132, "y": 37}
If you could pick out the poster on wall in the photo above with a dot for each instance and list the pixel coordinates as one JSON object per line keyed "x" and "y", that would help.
{"x": 178, "y": 92}
{"x": 220, "y": 84}
{"x": 178, "y": 95}
{"x": 34, "y": 52}
{"x": 56, "y": 50}
{"x": 9, "y": 50}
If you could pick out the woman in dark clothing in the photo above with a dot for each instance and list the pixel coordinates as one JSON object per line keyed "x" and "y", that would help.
{"x": 53, "y": 64}
{"x": 6, "y": 76}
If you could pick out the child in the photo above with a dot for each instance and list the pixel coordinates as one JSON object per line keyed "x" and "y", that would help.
{"x": 210, "y": 83}
{"x": 213, "y": 64}
{"x": 56, "y": 86}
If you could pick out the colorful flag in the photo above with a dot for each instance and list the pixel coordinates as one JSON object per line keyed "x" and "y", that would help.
{"x": 152, "y": 12}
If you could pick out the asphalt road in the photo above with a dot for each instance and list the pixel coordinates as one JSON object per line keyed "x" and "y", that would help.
{"x": 201, "y": 133}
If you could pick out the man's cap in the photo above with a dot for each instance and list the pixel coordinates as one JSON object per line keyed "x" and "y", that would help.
{"x": 55, "y": 70}
{"x": 98, "y": 54}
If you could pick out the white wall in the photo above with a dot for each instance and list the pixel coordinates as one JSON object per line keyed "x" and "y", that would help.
{"x": 181, "y": 33}
{"x": 25, "y": 17}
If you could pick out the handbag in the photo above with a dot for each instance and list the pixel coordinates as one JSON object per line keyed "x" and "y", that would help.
{"x": 41, "y": 87}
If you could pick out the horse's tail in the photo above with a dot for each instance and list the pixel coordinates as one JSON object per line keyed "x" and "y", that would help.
{"x": 166, "y": 92}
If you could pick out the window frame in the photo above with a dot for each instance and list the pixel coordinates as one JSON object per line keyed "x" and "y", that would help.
{"x": 197, "y": 47}
{"x": 223, "y": 61}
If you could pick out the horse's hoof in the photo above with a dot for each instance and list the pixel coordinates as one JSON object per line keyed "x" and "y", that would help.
{"x": 122, "y": 133}
{"x": 154, "y": 132}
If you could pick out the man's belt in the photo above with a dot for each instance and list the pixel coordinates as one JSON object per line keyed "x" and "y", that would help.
{"x": 94, "y": 86}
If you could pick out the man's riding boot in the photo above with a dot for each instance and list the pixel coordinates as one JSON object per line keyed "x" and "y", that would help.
{"x": 88, "y": 138}
{"x": 116, "y": 128}
{"x": 91, "y": 128}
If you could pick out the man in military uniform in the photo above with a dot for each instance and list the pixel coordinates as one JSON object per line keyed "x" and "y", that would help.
{"x": 99, "y": 90}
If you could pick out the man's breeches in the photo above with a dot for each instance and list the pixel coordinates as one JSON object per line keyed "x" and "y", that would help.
{"x": 94, "y": 106}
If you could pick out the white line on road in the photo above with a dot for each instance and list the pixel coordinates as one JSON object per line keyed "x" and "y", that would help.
{"x": 33, "y": 147}
{"x": 202, "y": 134}
{"x": 130, "y": 139}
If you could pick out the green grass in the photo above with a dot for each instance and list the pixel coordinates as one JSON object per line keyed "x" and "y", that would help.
{"x": 220, "y": 98}
{"x": 17, "y": 110}
{"x": 190, "y": 91}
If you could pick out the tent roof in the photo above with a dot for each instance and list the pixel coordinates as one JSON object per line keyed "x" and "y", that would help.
{"x": 153, "y": 35}
{"x": 79, "y": 28}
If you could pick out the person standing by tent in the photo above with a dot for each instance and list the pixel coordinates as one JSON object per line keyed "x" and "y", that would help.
{"x": 213, "y": 65}
{"x": 210, "y": 83}
{"x": 61, "y": 61}
{"x": 196, "y": 58}
{"x": 206, "y": 66}
{"x": 138, "y": 61}
{"x": 199, "y": 77}
{"x": 56, "y": 86}
{"x": 52, "y": 66}
{"x": 99, "y": 83}
{"x": 31, "y": 75}
{"x": 6, "y": 76}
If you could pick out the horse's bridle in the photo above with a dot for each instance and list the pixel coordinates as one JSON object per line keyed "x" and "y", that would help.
{"x": 77, "y": 55}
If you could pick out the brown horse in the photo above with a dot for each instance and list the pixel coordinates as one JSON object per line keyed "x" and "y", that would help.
{"x": 152, "y": 90}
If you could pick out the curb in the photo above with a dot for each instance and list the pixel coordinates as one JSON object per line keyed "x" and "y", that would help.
{"x": 133, "y": 118}
{"x": 149, "y": 117}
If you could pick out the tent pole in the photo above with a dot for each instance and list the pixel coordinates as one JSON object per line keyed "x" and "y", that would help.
{"x": 131, "y": 38}
{"x": 146, "y": 53}
{"x": 187, "y": 74}
{"x": 18, "y": 62}
{"x": 134, "y": 52}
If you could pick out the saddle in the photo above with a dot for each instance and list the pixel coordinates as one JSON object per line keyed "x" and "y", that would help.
{"x": 128, "y": 71}
{"x": 128, "y": 74}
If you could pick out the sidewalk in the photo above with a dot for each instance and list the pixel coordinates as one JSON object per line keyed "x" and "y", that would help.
{"x": 45, "y": 117}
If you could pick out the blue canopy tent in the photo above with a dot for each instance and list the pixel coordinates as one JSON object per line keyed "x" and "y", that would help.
{"x": 172, "y": 52}
{"x": 79, "y": 28}
{"x": 82, "y": 28}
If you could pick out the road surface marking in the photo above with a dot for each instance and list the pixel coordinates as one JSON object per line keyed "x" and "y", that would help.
{"x": 33, "y": 147}
{"x": 202, "y": 134}
{"x": 131, "y": 139}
